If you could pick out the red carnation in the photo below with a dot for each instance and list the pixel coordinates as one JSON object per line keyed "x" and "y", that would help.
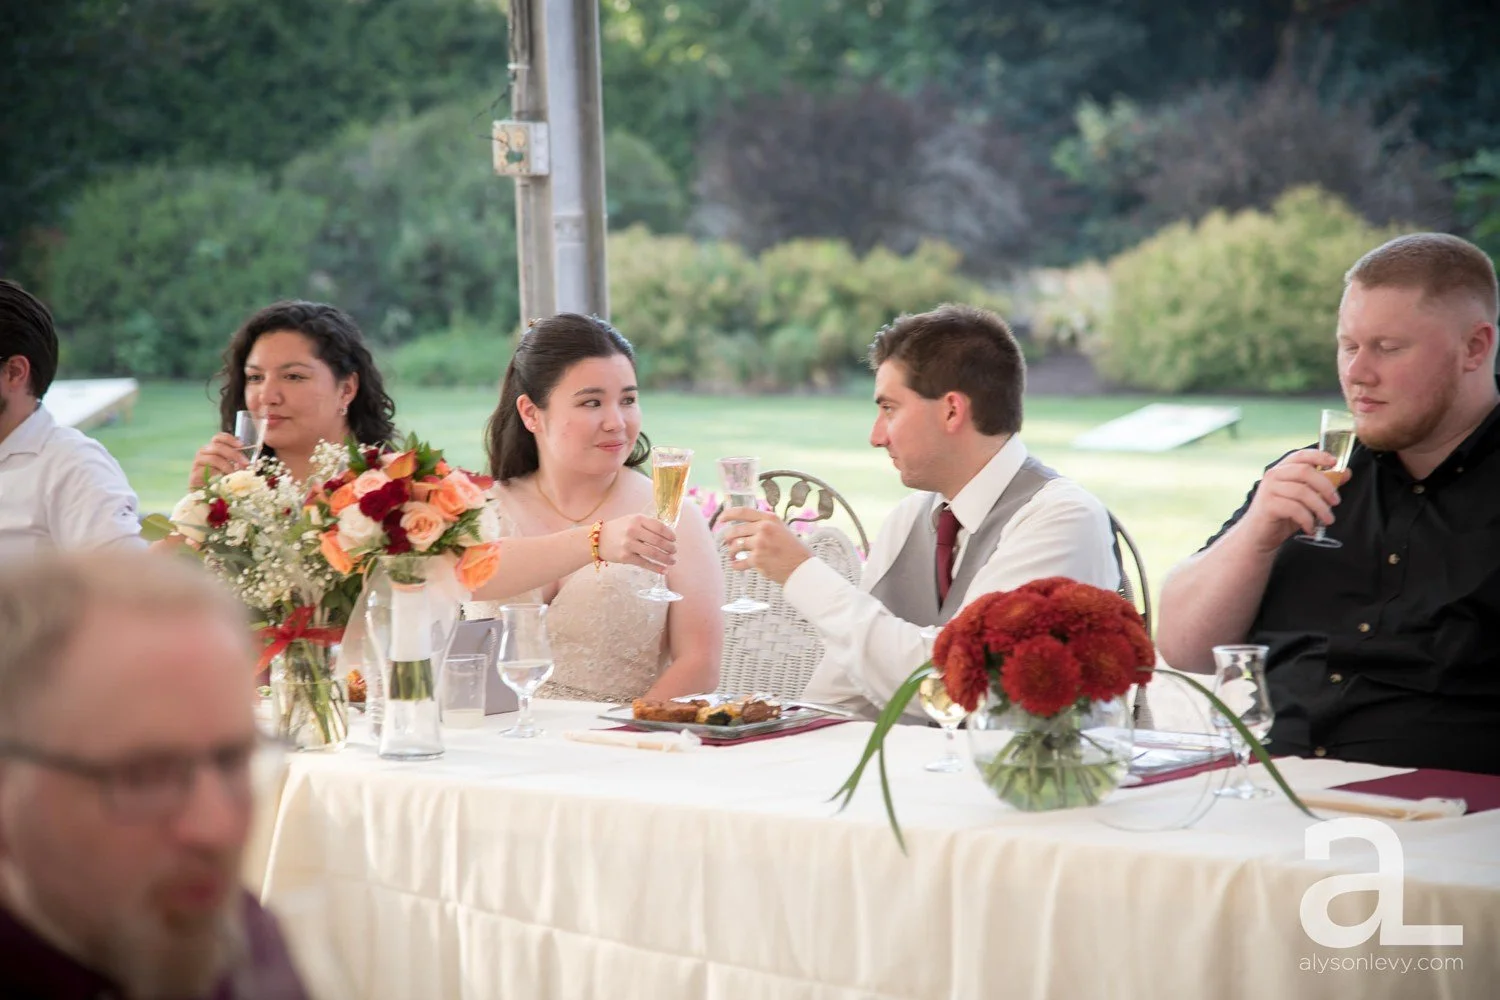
{"x": 1041, "y": 676}
{"x": 372, "y": 458}
{"x": 1046, "y": 586}
{"x": 378, "y": 503}
{"x": 1106, "y": 661}
{"x": 1012, "y": 616}
{"x": 964, "y": 666}
{"x": 1080, "y": 607}
{"x": 218, "y": 512}
{"x": 397, "y": 543}
{"x": 332, "y": 486}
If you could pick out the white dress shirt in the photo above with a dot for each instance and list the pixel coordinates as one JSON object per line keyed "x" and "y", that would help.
{"x": 60, "y": 489}
{"x": 1061, "y": 531}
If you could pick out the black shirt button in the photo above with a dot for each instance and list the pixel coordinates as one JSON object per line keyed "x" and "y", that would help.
{"x": 1335, "y": 678}
{"x": 1419, "y": 488}
{"x": 1393, "y": 559}
{"x": 1364, "y": 626}
{"x": 1320, "y": 752}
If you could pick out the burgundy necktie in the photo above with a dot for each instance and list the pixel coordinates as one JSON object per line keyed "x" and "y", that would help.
{"x": 947, "y": 539}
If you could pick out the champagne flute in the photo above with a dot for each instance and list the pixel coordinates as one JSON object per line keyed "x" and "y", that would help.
{"x": 1240, "y": 683}
{"x": 1335, "y": 436}
{"x": 525, "y": 660}
{"x": 669, "y": 473}
{"x": 740, "y": 476}
{"x": 941, "y": 709}
{"x": 250, "y": 431}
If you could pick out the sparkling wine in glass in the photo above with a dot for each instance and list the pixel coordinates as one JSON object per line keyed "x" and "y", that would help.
{"x": 525, "y": 659}
{"x": 1240, "y": 683}
{"x": 250, "y": 431}
{"x": 941, "y": 709}
{"x": 1335, "y": 436}
{"x": 740, "y": 478}
{"x": 669, "y": 474}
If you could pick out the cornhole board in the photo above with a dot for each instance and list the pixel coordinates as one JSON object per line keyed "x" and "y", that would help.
{"x": 88, "y": 402}
{"x": 1159, "y": 427}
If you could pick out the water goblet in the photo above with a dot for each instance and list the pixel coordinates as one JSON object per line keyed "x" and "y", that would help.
{"x": 1240, "y": 683}
{"x": 524, "y": 660}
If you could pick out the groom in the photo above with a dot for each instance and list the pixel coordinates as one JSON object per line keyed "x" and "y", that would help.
{"x": 987, "y": 516}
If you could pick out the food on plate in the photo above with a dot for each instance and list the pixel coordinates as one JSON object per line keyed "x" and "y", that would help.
{"x": 650, "y": 710}
{"x": 743, "y": 710}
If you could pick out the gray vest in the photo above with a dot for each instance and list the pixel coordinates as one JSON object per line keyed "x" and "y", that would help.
{"x": 909, "y": 588}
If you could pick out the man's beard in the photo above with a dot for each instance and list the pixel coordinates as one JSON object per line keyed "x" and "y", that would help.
{"x": 153, "y": 960}
{"x": 1415, "y": 428}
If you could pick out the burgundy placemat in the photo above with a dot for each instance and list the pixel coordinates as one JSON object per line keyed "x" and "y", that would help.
{"x": 719, "y": 741}
{"x": 1480, "y": 791}
{"x": 1184, "y": 772}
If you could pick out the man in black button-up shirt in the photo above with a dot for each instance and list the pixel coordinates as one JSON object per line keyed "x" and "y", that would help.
{"x": 1386, "y": 649}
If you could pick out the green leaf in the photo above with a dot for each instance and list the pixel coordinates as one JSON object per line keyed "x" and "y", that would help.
{"x": 1255, "y": 745}
{"x": 875, "y": 746}
{"x": 155, "y": 527}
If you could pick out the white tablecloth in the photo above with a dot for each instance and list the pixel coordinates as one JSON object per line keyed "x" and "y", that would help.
{"x": 549, "y": 868}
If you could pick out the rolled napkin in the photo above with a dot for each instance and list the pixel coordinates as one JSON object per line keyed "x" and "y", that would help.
{"x": 675, "y": 742}
{"x": 1385, "y": 806}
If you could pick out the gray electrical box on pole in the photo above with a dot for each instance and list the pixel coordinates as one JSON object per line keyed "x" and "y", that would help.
{"x": 554, "y": 148}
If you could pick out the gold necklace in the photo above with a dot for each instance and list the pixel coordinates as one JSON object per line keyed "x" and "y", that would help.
{"x": 575, "y": 521}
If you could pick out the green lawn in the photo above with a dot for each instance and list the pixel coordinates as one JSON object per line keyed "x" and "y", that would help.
{"x": 1170, "y": 502}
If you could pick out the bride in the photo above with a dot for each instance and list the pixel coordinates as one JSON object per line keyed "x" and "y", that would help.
{"x": 565, "y": 448}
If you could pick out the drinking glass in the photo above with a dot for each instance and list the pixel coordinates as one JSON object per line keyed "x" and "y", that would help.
{"x": 1240, "y": 683}
{"x": 941, "y": 709}
{"x": 461, "y": 690}
{"x": 669, "y": 473}
{"x": 525, "y": 659}
{"x": 1335, "y": 436}
{"x": 740, "y": 477}
{"x": 250, "y": 431}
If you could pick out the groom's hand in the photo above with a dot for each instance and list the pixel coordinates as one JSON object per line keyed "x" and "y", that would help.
{"x": 769, "y": 545}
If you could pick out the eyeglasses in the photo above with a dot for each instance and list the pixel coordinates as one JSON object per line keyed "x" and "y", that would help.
{"x": 154, "y": 786}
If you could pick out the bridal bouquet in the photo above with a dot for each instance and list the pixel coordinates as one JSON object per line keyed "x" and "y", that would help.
{"x": 252, "y": 531}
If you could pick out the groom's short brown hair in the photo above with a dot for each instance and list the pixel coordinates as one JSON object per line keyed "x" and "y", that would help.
{"x": 958, "y": 348}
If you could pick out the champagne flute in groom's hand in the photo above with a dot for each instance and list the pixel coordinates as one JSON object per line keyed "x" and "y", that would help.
{"x": 740, "y": 477}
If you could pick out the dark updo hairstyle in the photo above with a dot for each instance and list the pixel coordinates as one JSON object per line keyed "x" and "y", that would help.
{"x": 548, "y": 349}
{"x": 337, "y": 343}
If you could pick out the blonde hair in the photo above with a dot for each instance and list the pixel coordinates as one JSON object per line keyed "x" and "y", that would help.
{"x": 46, "y": 600}
{"x": 1439, "y": 264}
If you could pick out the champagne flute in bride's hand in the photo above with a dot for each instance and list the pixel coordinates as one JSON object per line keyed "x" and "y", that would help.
{"x": 740, "y": 477}
{"x": 250, "y": 431}
{"x": 1335, "y": 436}
{"x": 669, "y": 473}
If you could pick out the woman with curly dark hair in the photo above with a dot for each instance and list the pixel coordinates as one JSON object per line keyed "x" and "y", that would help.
{"x": 304, "y": 368}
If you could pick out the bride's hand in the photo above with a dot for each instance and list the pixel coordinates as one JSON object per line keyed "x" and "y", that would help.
{"x": 220, "y": 456}
{"x": 638, "y": 540}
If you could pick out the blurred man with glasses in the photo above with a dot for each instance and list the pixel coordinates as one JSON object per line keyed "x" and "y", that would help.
{"x": 126, "y": 742}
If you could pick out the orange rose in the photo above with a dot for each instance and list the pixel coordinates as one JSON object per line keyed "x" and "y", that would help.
{"x": 423, "y": 523}
{"x": 328, "y": 544}
{"x": 342, "y": 497}
{"x": 466, "y": 489}
{"x": 401, "y": 466}
{"x": 478, "y": 564}
{"x": 449, "y": 498}
{"x": 442, "y": 468}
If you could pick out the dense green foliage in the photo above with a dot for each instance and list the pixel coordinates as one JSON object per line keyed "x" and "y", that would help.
{"x": 1243, "y": 302}
{"x": 800, "y": 314}
{"x": 161, "y": 265}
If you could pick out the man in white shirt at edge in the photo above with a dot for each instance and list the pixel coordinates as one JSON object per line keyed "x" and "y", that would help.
{"x": 948, "y": 390}
{"x": 59, "y": 489}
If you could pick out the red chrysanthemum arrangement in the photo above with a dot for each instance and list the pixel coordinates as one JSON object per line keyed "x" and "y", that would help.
{"x": 1044, "y": 646}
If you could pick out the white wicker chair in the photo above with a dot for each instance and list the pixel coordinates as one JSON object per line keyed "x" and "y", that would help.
{"x": 776, "y": 650}
{"x": 1138, "y": 592}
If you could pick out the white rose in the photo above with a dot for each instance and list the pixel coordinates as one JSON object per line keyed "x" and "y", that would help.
{"x": 237, "y": 532}
{"x": 369, "y": 481}
{"x": 241, "y": 483}
{"x": 190, "y": 518}
{"x": 487, "y": 525}
{"x": 356, "y": 531}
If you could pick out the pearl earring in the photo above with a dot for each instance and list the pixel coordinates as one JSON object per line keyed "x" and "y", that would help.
{"x": 344, "y": 411}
